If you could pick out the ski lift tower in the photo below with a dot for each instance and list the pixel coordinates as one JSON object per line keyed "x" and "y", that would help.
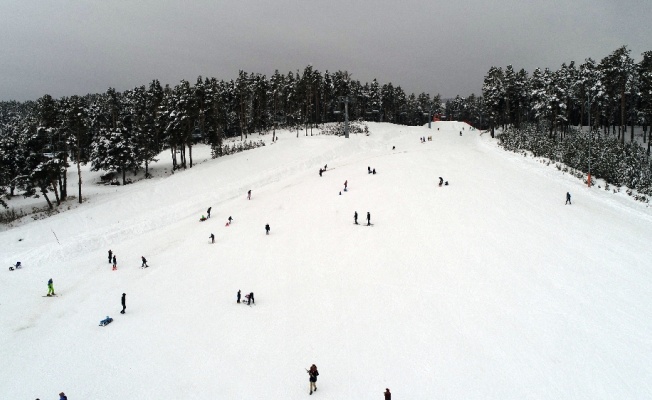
{"x": 345, "y": 100}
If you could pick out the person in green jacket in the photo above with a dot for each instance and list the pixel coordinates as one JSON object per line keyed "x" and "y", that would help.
{"x": 50, "y": 288}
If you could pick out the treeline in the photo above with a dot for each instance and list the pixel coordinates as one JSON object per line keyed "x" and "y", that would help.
{"x": 608, "y": 95}
{"x": 617, "y": 163}
{"x": 114, "y": 131}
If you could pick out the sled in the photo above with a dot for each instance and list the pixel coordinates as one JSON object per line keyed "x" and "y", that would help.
{"x": 106, "y": 321}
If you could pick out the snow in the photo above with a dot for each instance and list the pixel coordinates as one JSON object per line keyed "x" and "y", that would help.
{"x": 490, "y": 288}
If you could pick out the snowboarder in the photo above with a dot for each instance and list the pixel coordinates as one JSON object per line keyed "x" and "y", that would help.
{"x": 388, "y": 395}
{"x": 368, "y": 218}
{"x": 144, "y": 265}
{"x": 238, "y": 296}
{"x": 115, "y": 262}
{"x": 212, "y": 238}
{"x": 267, "y": 228}
{"x": 249, "y": 195}
{"x": 208, "y": 212}
{"x": 441, "y": 181}
{"x": 355, "y": 217}
{"x": 320, "y": 171}
{"x": 313, "y": 373}
{"x": 124, "y": 303}
{"x": 110, "y": 254}
{"x": 345, "y": 184}
{"x": 568, "y": 199}
{"x": 50, "y": 288}
{"x": 250, "y": 298}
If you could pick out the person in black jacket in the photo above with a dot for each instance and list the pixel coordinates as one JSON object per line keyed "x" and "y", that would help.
{"x": 238, "y": 296}
{"x": 355, "y": 217}
{"x": 267, "y": 228}
{"x": 313, "y": 373}
{"x": 368, "y": 218}
{"x": 568, "y": 201}
{"x": 124, "y": 303}
{"x": 144, "y": 265}
{"x": 110, "y": 254}
{"x": 388, "y": 395}
{"x": 208, "y": 212}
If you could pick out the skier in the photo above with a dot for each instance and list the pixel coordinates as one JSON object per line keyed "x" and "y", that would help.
{"x": 144, "y": 265}
{"x": 388, "y": 395}
{"x": 124, "y": 303}
{"x": 250, "y": 298}
{"x": 238, "y": 296}
{"x": 313, "y": 373}
{"x": 345, "y": 184}
{"x": 208, "y": 212}
{"x": 320, "y": 171}
{"x": 441, "y": 181}
{"x": 62, "y": 395}
{"x": 267, "y": 228}
{"x": 110, "y": 254}
{"x": 568, "y": 200}
{"x": 212, "y": 238}
{"x": 249, "y": 195}
{"x": 368, "y": 218}
{"x": 50, "y": 288}
{"x": 115, "y": 262}
{"x": 355, "y": 217}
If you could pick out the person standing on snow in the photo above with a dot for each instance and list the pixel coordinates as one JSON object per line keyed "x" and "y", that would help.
{"x": 368, "y": 218}
{"x": 388, "y": 395}
{"x": 250, "y": 299}
{"x": 313, "y": 373}
{"x": 238, "y": 296}
{"x": 249, "y": 195}
{"x": 208, "y": 212}
{"x": 144, "y": 265}
{"x": 50, "y": 288}
{"x": 212, "y": 238}
{"x": 320, "y": 171}
{"x": 124, "y": 303}
{"x": 115, "y": 262}
{"x": 110, "y": 254}
{"x": 345, "y": 184}
{"x": 568, "y": 201}
{"x": 62, "y": 396}
{"x": 355, "y": 217}
{"x": 267, "y": 228}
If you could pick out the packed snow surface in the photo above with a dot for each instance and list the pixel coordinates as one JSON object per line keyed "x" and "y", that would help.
{"x": 488, "y": 288}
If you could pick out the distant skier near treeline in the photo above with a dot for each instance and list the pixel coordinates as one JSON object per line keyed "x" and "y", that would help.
{"x": 568, "y": 198}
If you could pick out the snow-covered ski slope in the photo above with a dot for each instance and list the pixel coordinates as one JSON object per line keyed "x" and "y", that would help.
{"x": 489, "y": 288}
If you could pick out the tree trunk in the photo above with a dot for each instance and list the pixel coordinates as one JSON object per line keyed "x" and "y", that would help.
{"x": 79, "y": 176}
{"x": 56, "y": 192}
{"x": 124, "y": 176}
{"x": 190, "y": 153}
{"x": 45, "y": 194}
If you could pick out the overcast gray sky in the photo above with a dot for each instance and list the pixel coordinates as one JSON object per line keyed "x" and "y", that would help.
{"x": 65, "y": 47}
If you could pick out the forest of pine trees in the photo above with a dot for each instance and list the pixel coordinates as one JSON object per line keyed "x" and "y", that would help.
{"x": 124, "y": 132}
